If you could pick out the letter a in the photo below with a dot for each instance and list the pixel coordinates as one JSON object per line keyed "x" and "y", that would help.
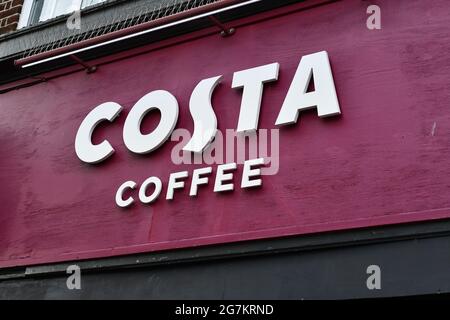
{"x": 298, "y": 98}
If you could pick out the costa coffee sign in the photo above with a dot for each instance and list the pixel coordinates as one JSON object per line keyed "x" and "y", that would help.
{"x": 89, "y": 169}
{"x": 251, "y": 81}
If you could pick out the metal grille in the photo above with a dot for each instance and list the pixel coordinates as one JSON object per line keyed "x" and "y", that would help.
{"x": 128, "y": 17}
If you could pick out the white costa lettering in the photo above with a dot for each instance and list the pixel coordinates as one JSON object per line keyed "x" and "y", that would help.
{"x": 316, "y": 66}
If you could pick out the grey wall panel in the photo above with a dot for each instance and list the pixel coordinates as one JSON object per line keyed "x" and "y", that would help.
{"x": 408, "y": 267}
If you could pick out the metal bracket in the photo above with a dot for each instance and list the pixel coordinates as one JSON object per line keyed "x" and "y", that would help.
{"x": 87, "y": 67}
{"x": 226, "y": 32}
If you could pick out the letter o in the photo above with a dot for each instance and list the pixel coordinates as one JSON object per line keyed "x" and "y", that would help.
{"x": 158, "y": 187}
{"x": 140, "y": 143}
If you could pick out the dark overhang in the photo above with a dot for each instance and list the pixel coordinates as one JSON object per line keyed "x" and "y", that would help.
{"x": 55, "y": 44}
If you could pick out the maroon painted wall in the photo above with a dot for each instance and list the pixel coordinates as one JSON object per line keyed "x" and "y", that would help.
{"x": 383, "y": 161}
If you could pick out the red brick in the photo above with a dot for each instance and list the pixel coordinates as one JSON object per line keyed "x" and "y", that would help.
{"x": 10, "y": 12}
{"x": 16, "y": 3}
{"x": 12, "y": 19}
{"x": 9, "y": 28}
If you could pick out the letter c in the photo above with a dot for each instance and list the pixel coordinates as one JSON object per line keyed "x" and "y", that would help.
{"x": 119, "y": 194}
{"x": 85, "y": 150}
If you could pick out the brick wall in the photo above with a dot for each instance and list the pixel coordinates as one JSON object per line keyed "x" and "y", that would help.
{"x": 9, "y": 15}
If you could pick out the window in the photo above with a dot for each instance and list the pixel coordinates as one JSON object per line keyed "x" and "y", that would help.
{"x": 34, "y": 11}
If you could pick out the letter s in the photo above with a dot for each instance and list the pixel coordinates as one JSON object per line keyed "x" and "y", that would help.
{"x": 205, "y": 121}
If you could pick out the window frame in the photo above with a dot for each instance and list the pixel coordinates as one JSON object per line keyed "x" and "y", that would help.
{"x": 33, "y": 11}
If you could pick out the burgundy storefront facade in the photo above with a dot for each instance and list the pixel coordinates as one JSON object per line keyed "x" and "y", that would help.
{"x": 365, "y": 186}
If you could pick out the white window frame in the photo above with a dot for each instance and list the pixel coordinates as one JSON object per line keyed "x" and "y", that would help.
{"x": 46, "y": 14}
{"x": 25, "y": 14}
{"x": 49, "y": 8}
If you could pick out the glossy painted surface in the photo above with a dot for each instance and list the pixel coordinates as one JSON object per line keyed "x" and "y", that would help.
{"x": 383, "y": 161}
